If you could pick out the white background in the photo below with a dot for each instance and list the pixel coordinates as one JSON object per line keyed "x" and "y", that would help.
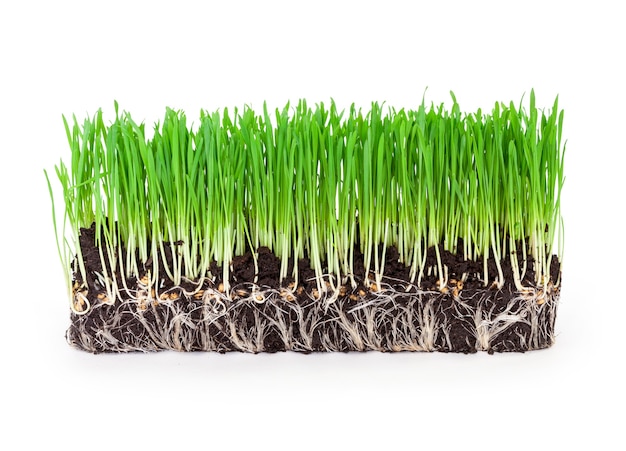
{"x": 73, "y": 57}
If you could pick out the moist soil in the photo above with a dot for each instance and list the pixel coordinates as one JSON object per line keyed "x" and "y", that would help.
{"x": 281, "y": 316}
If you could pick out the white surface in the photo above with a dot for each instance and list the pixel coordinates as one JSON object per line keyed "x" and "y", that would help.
{"x": 73, "y": 57}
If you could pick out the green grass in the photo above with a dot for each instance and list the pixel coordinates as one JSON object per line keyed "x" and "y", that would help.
{"x": 315, "y": 182}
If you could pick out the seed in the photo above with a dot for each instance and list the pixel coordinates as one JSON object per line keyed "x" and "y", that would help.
{"x": 220, "y": 287}
{"x": 362, "y": 293}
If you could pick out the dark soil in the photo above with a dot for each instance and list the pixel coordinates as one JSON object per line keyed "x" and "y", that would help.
{"x": 455, "y": 306}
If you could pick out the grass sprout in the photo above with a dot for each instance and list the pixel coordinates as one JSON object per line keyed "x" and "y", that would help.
{"x": 314, "y": 182}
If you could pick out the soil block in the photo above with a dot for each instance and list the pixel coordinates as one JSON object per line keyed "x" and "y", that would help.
{"x": 259, "y": 314}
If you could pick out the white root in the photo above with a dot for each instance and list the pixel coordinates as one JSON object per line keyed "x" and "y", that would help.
{"x": 256, "y": 319}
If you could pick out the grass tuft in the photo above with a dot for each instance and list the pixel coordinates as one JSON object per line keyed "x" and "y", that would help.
{"x": 315, "y": 182}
